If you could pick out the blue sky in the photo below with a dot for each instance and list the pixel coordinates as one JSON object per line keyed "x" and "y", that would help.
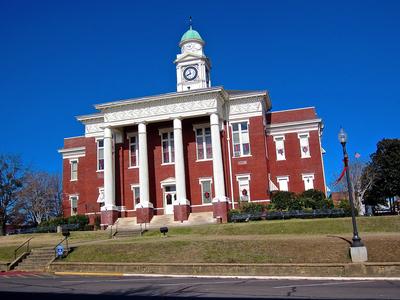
{"x": 58, "y": 58}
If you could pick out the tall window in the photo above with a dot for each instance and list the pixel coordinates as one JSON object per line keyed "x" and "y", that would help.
{"x": 304, "y": 145}
{"x": 74, "y": 169}
{"x": 308, "y": 180}
{"x": 136, "y": 194}
{"x": 206, "y": 192}
{"x": 74, "y": 204}
{"x": 283, "y": 182}
{"x": 203, "y": 143}
{"x": 244, "y": 187}
{"x": 168, "y": 152}
{"x": 240, "y": 139}
{"x": 280, "y": 147}
{"x": 100, "y": 155}
{"x": 133, "y": 151}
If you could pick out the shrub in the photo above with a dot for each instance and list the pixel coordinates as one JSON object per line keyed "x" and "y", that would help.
{"x": 232, "y": 213}
{"x": 315, "y": 199}
{"x": 345, "y": 205}
{"x": 54, "y": 222}
{"x": 81, "y": 220}
{"x": 252, "y": 208}
{"x": 284, "y": 200}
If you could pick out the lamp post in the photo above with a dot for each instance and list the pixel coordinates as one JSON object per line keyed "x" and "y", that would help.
{"x": 356, "y": 239}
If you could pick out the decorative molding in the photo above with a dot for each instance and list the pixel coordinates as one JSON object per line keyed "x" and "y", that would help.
{"x": 293, "y": 127}
{"x": 164, "y": 109}
{"x": 246, "y": 107}
{"x": 73, "y": 153}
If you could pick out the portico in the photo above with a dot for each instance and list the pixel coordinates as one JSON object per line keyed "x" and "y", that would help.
{"x": 125, "y": 114}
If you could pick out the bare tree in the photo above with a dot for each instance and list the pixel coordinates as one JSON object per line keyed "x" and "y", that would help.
{"x": 361, "y": 179}
{"x": 40, "y": 197}
{"x": 11, "y": 177}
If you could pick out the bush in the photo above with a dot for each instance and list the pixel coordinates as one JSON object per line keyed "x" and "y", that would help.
{"x": 345, "y": 205}
{"x": 284, "y": 200}
{"x": 315, "y": 199}
{"x": 54, "y": 222}
{"x": 252, "y": 208}
{"x": 81, "y": 220}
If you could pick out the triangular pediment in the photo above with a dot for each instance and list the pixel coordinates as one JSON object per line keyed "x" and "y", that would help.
{"x": 189, "y": 56}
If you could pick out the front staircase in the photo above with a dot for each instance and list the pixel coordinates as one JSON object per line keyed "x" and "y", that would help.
{"x": 37, "y": 260}
{"x": 126, "y": 227}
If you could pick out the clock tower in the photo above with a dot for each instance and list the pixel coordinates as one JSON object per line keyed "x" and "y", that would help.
{"x": 192, "y": 66}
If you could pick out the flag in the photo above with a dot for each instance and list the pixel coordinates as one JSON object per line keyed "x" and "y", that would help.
{"x": 357, "y": 155}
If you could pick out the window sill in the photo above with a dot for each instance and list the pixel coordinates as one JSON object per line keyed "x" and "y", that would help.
{"x": 133, "y": 167}
{"x": 306, "y": 156}
{"x": 72, "y": 180}
{"x": 281, "y": 159}
{"x": 201, "y": 160}
{"x": 242, "y": 156}
{"x": 100, "y": 171}
{"x": 168, "y": 164}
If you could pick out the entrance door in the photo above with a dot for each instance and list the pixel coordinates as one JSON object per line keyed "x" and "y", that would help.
{"x": 169, "y": 197}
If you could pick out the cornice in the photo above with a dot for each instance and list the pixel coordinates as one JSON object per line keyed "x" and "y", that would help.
{"x": 168, "y": 96}
{"x": 72, "y": 152}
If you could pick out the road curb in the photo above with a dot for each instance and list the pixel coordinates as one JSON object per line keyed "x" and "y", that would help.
{"x": 105, "y": 274}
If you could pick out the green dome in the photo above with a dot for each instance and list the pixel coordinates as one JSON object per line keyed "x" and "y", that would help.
{"x": 191, "y": 35}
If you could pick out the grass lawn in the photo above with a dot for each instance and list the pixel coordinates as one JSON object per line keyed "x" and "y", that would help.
{"x": 9, "y": 243}
{"x": 283, "y": 241}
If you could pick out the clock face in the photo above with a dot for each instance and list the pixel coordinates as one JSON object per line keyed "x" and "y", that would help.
{"x": 190, "y": 73}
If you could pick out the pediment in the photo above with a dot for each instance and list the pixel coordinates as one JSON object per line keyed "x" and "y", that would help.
{"x": 189, "y": 56}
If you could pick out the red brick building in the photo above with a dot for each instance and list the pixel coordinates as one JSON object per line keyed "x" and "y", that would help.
{"x": 199, "y": 149}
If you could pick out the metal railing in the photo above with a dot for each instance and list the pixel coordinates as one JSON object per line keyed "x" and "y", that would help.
{"x": 20, "y": 246}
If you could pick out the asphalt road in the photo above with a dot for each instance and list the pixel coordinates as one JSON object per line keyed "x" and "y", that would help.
{"x": 46, "y": 286}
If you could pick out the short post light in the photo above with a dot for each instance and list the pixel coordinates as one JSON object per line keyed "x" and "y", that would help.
{"x": 358, "y": 251}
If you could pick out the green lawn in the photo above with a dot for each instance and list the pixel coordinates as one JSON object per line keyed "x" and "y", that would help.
{"x": 295, "y": 240}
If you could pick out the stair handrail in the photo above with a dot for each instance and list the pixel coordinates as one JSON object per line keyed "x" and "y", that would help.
{"x": 66, "y": 242}
{"x": 20, "y": 246}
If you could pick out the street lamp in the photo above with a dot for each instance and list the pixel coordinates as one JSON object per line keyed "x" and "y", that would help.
{"x": 356, "y": 239}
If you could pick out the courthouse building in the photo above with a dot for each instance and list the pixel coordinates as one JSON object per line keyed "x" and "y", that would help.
{"x": 200, "y": 149}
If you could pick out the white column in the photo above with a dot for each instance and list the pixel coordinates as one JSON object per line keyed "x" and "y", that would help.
{"x": 109, "y": 179}
{"x": 143, "y": 167}
{"x": 218, "y": 168}
{"x": 180, "y": 179}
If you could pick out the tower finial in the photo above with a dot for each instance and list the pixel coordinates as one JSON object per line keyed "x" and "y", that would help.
{"x": 190, "y": 22}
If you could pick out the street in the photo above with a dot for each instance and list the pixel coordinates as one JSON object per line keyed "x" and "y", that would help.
{"x": 48, "y": 286}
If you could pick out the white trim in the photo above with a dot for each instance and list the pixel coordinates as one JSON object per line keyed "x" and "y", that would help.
{"x": 97, "y": 154}
{"x": 283, "y": 178}
{"x": 202, "y": 205}
{"x": 70, "y": 203}
{"x": 240, "y": 137}
{"x": 206, "y": 179}
{"x": 292, "y": 109}
{"x": 72, "y": 153}
{"x": 307, "y": 176}
{"x": 203, "y": 136}
{"x": 133, "y": 186}
{"x": 71, "y": 162}
{"x": 278, "y": 139}
{"x": 302, "y": 136}
{"x": 128, "y": 137}
{"x": 100, "y": 198}
{"x": 244, "y": 178}
{"x": 170, "y": 141}
{"x": 290, "y": 127}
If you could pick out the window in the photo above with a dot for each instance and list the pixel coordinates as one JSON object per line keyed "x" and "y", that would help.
{"x": 74, "y": 169}
{"x": 100, "y": 198}
{"x": 283, "y": 182}
{"x": 304, "y": 145}
{"x": 240, "y": 139}
{"x": 206, "y": 191}
{"x": 133, "y": 150}
{"x": 168, "y": 152}
{"x": 136, "y": 194}
{"x": 308, "y": 180}
{"x": 100, "y": 155}
{"x": 280, "y": 147}
{"x": 244, "y": 187}
{"x": 74, "y": 204}
{"x": 203, "y": 143}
